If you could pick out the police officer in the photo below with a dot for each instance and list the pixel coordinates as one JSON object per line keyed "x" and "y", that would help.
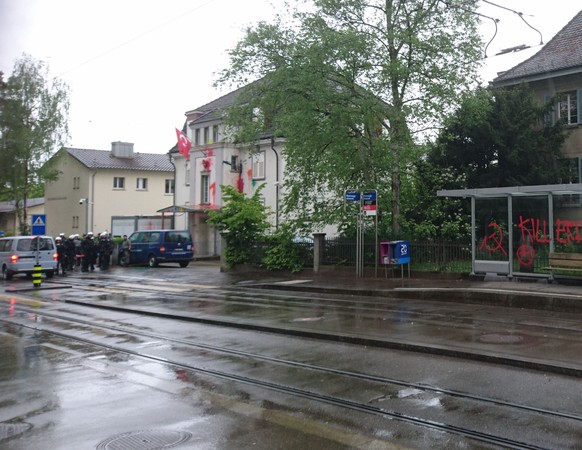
{"x": 89, "y": 252}
{"x": 105, "y": 247}
{"x": 61, "y": 255}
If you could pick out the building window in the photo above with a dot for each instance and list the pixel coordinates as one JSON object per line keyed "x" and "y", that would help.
{"x": 169, "y": 186}
{"x": 118, "y": 182}
{"x": 234, "y": 163}
{"x": 76, "y": 182}
{"x": 215, "y": 133}
{"x": 197, "y": 136}
{"x": 75, "y": 222}
{"x": 187, "y": 174}
{"x": 206, "y": 134}
{"x": 259, "y": 166}
{"x": 205, "y": 188}
{"x": 568, "y": 107}
{"x": 142, "y": 184}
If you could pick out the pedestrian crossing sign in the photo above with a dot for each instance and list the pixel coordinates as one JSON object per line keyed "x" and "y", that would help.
{"x": 38, "y": 224}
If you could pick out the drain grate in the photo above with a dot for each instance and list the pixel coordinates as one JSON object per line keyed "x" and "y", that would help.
{"x": 501, "y": 338}
{"x": 145, "y": 440}
{"x": 8, "y": 430}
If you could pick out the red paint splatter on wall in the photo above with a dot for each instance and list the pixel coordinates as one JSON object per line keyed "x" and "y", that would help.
{"x": 212, "y": 189}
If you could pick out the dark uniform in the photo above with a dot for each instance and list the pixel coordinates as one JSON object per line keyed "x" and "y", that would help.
{"x": 61, "y": 255}
{"x": 89, "y": 253}
{"x": 105, "y": 248}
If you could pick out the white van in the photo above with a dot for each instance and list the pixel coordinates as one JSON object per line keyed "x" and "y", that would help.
{"x": 19, "y": 254}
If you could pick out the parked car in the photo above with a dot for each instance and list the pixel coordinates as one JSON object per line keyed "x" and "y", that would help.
{"x": 152, "y": 247}
{"x": 19, "y": 255}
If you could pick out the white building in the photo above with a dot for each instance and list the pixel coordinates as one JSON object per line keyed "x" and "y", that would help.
{"x": 214, "y": 161}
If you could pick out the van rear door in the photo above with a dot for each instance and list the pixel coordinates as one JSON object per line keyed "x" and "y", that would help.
{"x": 178, "y": 245}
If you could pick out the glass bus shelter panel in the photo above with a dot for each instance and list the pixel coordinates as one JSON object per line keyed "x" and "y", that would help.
{"x": 567, "y": 223}
{"x": 491, "y": 230}
{"x": 532, "y": 233}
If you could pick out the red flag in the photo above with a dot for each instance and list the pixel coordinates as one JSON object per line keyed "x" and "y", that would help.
{"x": 184, "y": 144}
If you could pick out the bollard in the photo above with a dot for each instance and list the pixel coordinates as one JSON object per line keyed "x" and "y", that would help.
{"x": 37, "y": 275}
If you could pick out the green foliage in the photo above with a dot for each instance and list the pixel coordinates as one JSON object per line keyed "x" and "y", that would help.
{"x": 283, "y": 253}
{"x": 244, "y": 221}
{"x": 33, "y": 126}
{"x": 347, "y": 84}
{"x": 498, "y": 137}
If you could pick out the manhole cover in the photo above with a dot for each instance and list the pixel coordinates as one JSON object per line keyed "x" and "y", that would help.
{"x": 501, "y": 338}
{"x": 8, "y": 430}
{"x": 145, "y": 440}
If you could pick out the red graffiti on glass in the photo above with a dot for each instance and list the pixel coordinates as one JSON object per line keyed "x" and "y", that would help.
{"x": 568, "y": 231}
{"x": 526, "y": 255}
{"x": 496, "y": 237}
{"x": 534, "y": 230}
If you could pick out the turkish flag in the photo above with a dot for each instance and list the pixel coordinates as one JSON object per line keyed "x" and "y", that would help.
{"x": 184, "y": 144}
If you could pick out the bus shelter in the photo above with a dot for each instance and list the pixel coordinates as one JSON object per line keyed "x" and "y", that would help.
{"x": 515, "y": 228}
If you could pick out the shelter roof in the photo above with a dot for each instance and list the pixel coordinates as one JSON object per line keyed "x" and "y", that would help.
{"x": 543, "y": 189}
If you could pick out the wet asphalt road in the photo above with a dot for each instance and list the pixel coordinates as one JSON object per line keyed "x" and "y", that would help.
{"x": 77, "y": 395}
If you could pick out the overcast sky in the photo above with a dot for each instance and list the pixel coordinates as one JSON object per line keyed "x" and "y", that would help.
{"x": 136, "y": 66}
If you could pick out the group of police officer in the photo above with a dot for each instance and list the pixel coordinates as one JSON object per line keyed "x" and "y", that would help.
{"x": 85, "y": 252}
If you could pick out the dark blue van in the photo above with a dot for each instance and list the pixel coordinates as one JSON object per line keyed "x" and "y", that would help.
{"x": 152, "y": 247}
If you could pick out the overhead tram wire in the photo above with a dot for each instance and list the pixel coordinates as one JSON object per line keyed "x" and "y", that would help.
{"x": 520, "y": 14}
{"x": 495, "y": 21}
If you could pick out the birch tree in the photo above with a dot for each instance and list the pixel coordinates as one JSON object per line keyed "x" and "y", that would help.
{"x": 34, "y": 125}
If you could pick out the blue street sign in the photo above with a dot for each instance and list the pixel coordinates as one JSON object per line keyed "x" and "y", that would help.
{"x": 38, "y": 224}
{"x": 369, "y": 196}
{"x": 352, "y": 196}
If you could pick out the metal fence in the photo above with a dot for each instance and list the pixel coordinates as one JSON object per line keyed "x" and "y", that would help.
{"x": 425, "y": 256}
{"x": 452, "y": 257}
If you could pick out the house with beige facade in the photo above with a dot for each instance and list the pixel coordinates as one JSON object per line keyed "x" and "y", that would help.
{"x": 117, "y": 190}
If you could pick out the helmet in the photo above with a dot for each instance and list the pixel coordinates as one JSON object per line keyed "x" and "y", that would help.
{"x": 104, "y": 234}
{"x": 62, "y": 235}
{"x": 90, "y": 233}
{"x": 71, "y": 237}
{"x": 58, "y": 239}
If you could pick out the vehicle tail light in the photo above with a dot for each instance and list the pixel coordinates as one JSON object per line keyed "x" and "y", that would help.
{"x": 162, "y": 249}
{"x": 55, "y": 256}
{"x": 13, "y": 259}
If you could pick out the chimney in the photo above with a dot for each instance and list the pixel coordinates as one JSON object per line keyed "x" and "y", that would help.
{"x": 122, "y": 149}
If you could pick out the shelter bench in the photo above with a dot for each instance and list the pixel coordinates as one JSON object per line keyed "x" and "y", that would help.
{"x": 565, "y": 261}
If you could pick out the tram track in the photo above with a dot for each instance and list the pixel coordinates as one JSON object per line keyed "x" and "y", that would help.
{"x": 414, "y": 419}
{"x": 247, "y": 294}
{"x": 203, "y": 299}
